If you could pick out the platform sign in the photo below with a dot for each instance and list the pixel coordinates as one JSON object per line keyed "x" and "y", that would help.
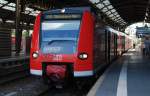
{"x": 142, "y": 31}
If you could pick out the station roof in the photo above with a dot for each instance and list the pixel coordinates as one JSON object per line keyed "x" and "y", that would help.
{"x": 128, "y": 11}
{"x": 132, "y": 10}
{"x": 123, "y": 12}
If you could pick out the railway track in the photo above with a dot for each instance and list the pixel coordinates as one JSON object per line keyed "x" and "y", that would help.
{"x": 33, "y": 86}
{"x": 64, "y": 92}
{"x": 29, "y": 86}
{"x": 14, "y": 76}
{"x": 69, "y": 90}
{"x": 17, "y": 81}
{"x": 72, "y": 90}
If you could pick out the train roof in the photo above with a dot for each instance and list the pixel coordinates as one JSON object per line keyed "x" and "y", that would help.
{"x": 118, "y": 32}
{"x": 73, "y": 10}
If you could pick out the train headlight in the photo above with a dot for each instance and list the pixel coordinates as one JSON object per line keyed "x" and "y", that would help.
{"x": 35, "y": 55}
{"x": 83, "y": 56}
{"x": 63, "y": 11}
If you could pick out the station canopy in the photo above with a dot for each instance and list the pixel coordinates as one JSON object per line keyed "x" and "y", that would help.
{"x": 123, "y": 12}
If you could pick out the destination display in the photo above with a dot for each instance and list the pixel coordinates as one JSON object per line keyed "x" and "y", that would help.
{"x": 62, "y": 16}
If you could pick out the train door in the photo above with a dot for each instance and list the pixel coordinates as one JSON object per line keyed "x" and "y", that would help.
{"x": 123, "y": 43}
{"x": 115, "y": 45}
{"x": 107, "y": 46}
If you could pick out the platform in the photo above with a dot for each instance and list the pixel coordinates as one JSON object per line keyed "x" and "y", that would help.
{"x": 13, "y": 57}
{"x": 13, "y": 67}
{"x": 128, "y": 76}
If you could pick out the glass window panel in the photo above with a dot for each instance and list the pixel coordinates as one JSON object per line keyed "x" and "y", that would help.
{"x": 33, "y": 13}
{"x": 3, "y": 1}
{"x": 116, "y": 18}
{"x": 122, "y": 23}
{"x": 10, "y": 21}
{"x": 31, "y": 24}
{"x": 27, "y": 12}
{"x": 115, "y": 13}
{"x": 106, "y": 2}
{"x": 104, "y": 9}
{"x": 0, "y": 20}
{"x": 37, "y": 12}
{"x": 100, "y": 6}
{"x": 12, "y": 4}
{"x": 111, "y": 15}
{"x": 108, "y": 12}
{"x": 110, "y": 7}
{"x": 118, "y": 15}
{"x": 119, "y": 20}
{"x": 29, "y": 9}
{"x": 113, "y": 10}
{"x": 94, "y": 1}
{"x": 9, "y": 8}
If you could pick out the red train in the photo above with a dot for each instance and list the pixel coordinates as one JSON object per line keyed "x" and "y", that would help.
{"x": 72, "y": 43}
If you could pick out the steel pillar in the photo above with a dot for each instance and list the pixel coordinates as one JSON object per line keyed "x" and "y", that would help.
{"x": 18, "y": 32}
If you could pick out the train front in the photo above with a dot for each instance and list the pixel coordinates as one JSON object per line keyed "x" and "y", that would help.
{"x": 57, "y": 51}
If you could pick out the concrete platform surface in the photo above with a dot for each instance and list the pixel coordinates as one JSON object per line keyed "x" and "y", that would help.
{"x": 128, "y": 76}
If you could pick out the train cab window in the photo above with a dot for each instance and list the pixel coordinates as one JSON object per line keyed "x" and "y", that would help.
{"x": 59, "y": 36}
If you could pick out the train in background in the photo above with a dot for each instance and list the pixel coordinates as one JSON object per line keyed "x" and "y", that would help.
{"x": 73, "y": 43}
{"x": 25, "y": 45}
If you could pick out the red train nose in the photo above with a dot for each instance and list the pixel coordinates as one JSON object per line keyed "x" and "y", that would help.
{"x": 56, "y": 72}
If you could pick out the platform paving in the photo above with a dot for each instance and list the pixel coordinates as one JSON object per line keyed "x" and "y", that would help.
{"x": 128, "y": 76}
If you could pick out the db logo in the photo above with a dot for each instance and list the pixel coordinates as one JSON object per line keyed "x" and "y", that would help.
{"x": 57, "y": 57}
